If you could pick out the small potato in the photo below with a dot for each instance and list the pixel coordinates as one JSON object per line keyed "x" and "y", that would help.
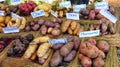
{"x": 99, "y": 16}
{"x": 92, "y": 15}
{"x": 57, "y": 46}
{"x": 73, "y": 25}
{"x": 70, "y": 31}
{"x": 76, "y": 42}
{"x": 80, "y": 30}
{"x": 61, "y": 14}
{"x": 49, "y": 24}
{"x": 77, "y": 29}
{"x": 36, "y": 27}
{"x": 27, "y": 28}
{"x": 56, "y": 32}
{"x": 101, "y": 54}
{"x": 66, "y": 49}
{"x": 50, "y": 29}
{"x": 70, "y": 56}
{"x": 41, "y": 21}
{"x": 56, "y": 59}
{"x": 103, "y": 27}
{"x": 43, "y": 30}
{"x": 92, "y": 41}
{"x": 65, "y": 25}
{"x": 57, "y": 25}
{"x": 69, "y": 38}
{"x": 54, "y": 20}
{"x": 98, "y": 62}
{"x": 111, "y": 28}
{"x": 41, "y": 60}
{"x": 97, "y": 11}
{"x": 84, "y": 12}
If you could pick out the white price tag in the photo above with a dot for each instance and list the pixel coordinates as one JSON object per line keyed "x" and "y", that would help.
{"x": 89, "y": 33}
{"x": 1, "y": 13}
{"x": 101, "y": 5}
{"x": 73, "y": 16}
{"x": 77, "y": 8}
{"x": 2, "y": 0}
{"x": 10, "y": 30}
{"x": 53, "y": 13}
{"x": 38, "y": 13}
{"x": 58, "y": 41}
{"x": 66, "y": 4}
{"x": 16, "y": 16}
{"x": 108, "y": 15}
{"x": 15, "y": 2}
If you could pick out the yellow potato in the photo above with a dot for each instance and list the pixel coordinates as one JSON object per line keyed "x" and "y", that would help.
{"x": 77, "y": 29}
{"x": 41, "y": 39}
{"x": 70, "y": 31}
{"x": 73, "y": 25}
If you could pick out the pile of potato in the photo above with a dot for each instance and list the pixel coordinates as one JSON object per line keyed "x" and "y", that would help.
{"x": 65, "y": 52}
{"x": 105, "y": 26}
{"x": 38, "y": 50}
{"x": 93, "y": 53}
{"x": 72, "y": 27}
{"x": 51, "y": 26}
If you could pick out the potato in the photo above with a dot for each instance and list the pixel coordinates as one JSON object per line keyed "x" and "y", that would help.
{"x": 41, "y": 39}
{"x": 49, "y": 24}
{"x": 47, "y": 54}
{"x": 65, "y": 25}
{"x": 57, "y": 46}
{"x": 27, "y": 28}
{"x": 41, "y": 60}
{"x": 112, "y": 9}
{"x": 92, "y": 41}
{"x": 98, "y": 62}
{"x": 70, "y": 31}
{"x": 84, "y": 12}
{"x": 54, "y": 20}
{"x": 50, "y": 29}
{"x": 66, "y": 49}
{"x": 101, "y": 54}
{"x": 97, "y": 11}
{"x": 42, "y": 50}
{"x": 2, "y": 19}
{"x": 56, "y": 59}
{"x": 69, "y": 38}
{"x": 56, "y": 32}
{"x": 35, "y": 27}
{"x": 80, "y": 30}
{"x": 76, "y": 42}
{"x": 7, "y": 19}
{"x": 61, "y": 14}
{"x": 41, "y": 21}
{"x": 43, "y": 30}
{"x": 92, "y": 15}
{"x": 103, "y": 27}
{"x": 73, "y": 25}
{"x": 99, "y": 16}
{"x": 103, "y": 45}
{"x": 111, "y": 28}
{"x": 85, "y": 61}
{"x": 57, "y": 25}
{"x": 77, "y": 29}
{"x": 70, "y": 56}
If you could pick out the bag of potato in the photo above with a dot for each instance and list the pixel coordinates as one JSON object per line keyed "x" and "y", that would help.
{"x": 97, "y": 52}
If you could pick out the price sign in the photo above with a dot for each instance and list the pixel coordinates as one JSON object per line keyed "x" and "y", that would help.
{"x": 10, "y": 30}
{"x": 108, "y": 15}
{"x": 66, "y": 4}
{"x": 53, "y": 13}
{"x": 101, "y": 5}
{"x": 1, "y": 13}
{"x": 73, "y": 16}
{"x": 58, "y": 41}
{"x": 15, "y": 2}
{"x": 38, "y": 13}
{"x": 2, "y": 0}
{"x": 77, "y": 8}
{"x": 89, "y": 33}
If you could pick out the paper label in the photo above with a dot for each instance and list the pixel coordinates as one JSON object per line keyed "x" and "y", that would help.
{"x": 2, "y": 0}
{"x": 101, "y": 5}
{"x": 16, "y": 16}
{"x": 1, "y": 13}
{"x": 58, "y": 41}
{"x": 10, "y": 30}
{"x": 38, "y": 13}
{"x": 108, "y": 15}
{"x": 73, "y": 16}
{"x": 66, "y": 4}
{"x": 53, "y": 13}
{"x": 77, "y": 8}
{"x": 15, "y": 2}
{"x": 89, "y": 33}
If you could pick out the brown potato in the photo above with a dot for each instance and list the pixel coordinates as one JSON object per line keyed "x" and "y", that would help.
{"x": 43, "y": 30}
{"x": 70, "y": 56}
{"x": 56, "y": 32}
{"x": 56, "y": 59}
{"x": 98, "y": 62}
{"x": 70, "y": 31}
{"x": 50, "y": 29}
{"x": 73, "y": 25}
{"x": 66, "y": 49}
{"x": 65, "y": 25}
{"x": 77, "y": 29}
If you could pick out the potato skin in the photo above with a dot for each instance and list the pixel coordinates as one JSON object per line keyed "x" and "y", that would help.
{"x": 65, "y": 25}
{"x": 66, "y": 49}
{"x": 98, "y": 62}
{"x": 92, "y": 41}
{"x": 56, "y": 59}
{"x": 70, "y": 56}
{"x": 56, "y": 32}
{"x": 76, "y": 42}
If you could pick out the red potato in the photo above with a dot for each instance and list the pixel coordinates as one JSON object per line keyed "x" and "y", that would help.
{"x": 83, "y": 47}
{"x": 85, "y": 61}
{"x": 92, "y": 41}
{"x": 57, "y": 46}
{"x": 35, "y": 27}
{"x": 49, "y": 24}
{"x": 43, "y": 30}
{"x": 66, "y": 49}
{"x": 92, "y": 15}
{"x": 101, "y": 54}
{"x": 103, "y": 45}
{"x": 41, "y": 21}
{"x": 76, "y": 42}
{"x": 70, "y": 56}
{"x": 56, "y": 59}
{"x": 98, "y": 62}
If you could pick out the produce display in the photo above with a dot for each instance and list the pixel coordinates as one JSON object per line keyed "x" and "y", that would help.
{"x": 93, "y": 53}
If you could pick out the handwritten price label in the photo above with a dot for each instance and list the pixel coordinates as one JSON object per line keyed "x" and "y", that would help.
{"x": 77, "y": 8}
{"x": 101, "y": 5}
{"x": 108, "y": 15}
{"x": 89, "y": 33}
{"x": 1, "y": 13}
{"x": 10, "y": 30}
{"x": 38, "y": 13}
{"x": 66, "y": 4}
{"x": 73, "y": 16}
{"x": 58, "y": 41}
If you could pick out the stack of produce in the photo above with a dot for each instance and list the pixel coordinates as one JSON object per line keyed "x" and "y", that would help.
{"x": 105, "y": 26}
{"x": 51, "y": 26}
{"x": 93, "y": 53}
{"x": 72, "y": 27}
{"x": 20, "y": 44}
{"x": 38, "y": 50}
{"x": 65, "y": 52}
